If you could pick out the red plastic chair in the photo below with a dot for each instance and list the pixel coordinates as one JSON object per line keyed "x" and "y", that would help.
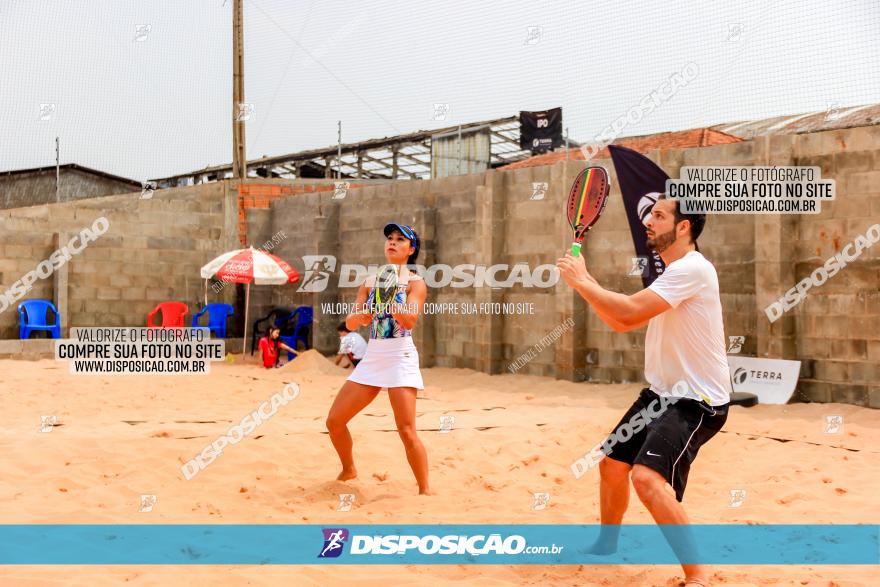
{"x": 172, "y": 315}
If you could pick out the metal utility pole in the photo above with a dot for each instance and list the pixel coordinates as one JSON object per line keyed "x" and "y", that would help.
{"x": 239, "y": 158}
{"x": 339, "y": 149}
{"x": 57, "y": 170}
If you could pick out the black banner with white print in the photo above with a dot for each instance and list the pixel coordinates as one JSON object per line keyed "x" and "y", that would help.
{"x": 641, "y": 183}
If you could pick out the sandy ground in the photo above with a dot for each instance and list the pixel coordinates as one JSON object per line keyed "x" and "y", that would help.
{"x": 120, "y": 437}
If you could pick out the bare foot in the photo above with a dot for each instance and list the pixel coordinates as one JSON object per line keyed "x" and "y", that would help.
{"x": 347, "y": 474}
{"x": 426, "y": 491}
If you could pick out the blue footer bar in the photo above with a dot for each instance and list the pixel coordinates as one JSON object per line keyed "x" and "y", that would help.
{"x": 255, "y": 544}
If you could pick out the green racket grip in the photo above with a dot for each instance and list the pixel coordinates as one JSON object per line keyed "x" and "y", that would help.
{"x": 575, "y": 249}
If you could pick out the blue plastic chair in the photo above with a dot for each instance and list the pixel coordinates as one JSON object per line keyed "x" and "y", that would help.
{"x": 218, "y": 315}
{"x": 301, "y": 325}
{"x": 33, "y": 318}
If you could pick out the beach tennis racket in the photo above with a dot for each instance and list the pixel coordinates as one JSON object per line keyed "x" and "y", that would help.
{"x": 586, "y": 201}
{"x": 386, "y": 287}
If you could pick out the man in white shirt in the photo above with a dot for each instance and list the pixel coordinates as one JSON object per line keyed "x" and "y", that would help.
{"x": 687, "y": 371}
{"x": 352, "y": 347}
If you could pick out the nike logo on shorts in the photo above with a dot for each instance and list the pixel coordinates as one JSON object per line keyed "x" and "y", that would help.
{"x": 653, "y": 454}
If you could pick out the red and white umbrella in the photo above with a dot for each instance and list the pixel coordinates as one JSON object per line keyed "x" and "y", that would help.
{"x": 249, "y": 266}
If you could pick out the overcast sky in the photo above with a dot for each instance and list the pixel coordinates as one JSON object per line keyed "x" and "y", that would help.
{"x": 143, "y": 89}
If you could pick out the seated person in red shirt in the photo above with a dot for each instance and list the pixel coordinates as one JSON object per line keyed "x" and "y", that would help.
{"x": 269, "y": 346}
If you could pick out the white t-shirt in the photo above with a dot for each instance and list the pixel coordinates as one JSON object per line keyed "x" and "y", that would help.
{"x": 686, "y": 342}
{"x": 352, "y": 343}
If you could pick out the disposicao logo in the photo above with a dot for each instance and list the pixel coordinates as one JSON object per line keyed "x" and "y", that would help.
{"x": 449, "y": 544}
{"x": 334, "y": 540}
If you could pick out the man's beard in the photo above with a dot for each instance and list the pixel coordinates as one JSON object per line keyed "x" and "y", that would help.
{"x": 661, "y": 242}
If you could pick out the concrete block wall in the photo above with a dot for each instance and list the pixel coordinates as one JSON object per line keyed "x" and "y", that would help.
{"x": 152, "y": 252}
{"x": 837, "y": 326}
{"x": 350, "y": 231}
{"x": 259, "y": 194}
{"x": 21, "y": 249}
{"x": 309, "y": 230}
{"x": 155, "y": 248}
{"x": 491, "y": 218}
{"x": 728, "y": 241}
{"x": 296, "y": 233}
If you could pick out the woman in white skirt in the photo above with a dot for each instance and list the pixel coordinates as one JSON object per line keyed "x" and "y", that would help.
{"x": 391, "y": 360}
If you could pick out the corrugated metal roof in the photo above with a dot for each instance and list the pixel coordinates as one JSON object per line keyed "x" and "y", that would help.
{"x": 377, "y": 161}
{"x": 829, "y": 119}
{"x": 729, "y": 132}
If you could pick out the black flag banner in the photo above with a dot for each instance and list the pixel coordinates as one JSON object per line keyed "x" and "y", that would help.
{"x": 641, "y": 182}
{"x": 540, "y": 131}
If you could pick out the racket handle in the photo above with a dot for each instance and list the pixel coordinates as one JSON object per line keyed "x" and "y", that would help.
{"x": 575, "y": 249}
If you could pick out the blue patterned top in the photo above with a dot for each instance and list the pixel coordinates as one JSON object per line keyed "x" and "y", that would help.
{"x": 383, "y": 324}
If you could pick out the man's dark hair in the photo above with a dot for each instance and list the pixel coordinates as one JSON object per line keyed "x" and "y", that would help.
{"x": 342, "y": 327}
{"x": 698, "y": 221}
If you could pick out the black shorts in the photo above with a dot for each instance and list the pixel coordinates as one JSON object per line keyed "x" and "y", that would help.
{"x": 664, "y": 440}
